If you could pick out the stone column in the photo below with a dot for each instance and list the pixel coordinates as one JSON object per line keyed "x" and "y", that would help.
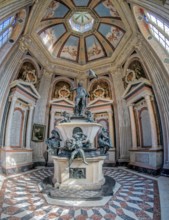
{"x": 122, "y": 118}
{"x": 133, "y": 127}
{"x": 52, "y": 117}
{"x": 152, "y": 122}
{"x": 6, "y": 75}
{"x": 29, "y": 127}
{"x": 159, "y": 78}
{"x": 111, "y": 128}
{"x": 9, "y": 121}
{"x": 41, "y": 114}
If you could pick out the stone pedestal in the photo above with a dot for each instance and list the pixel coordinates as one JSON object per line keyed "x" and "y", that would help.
{"x": 110, "y": 157}
{"x": 88, "y": 177}
{"x": 149, "y": 159}
{"x": 15, "y": 161}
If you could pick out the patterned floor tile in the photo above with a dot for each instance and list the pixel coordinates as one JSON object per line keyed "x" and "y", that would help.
{"x": 136, "y": 199}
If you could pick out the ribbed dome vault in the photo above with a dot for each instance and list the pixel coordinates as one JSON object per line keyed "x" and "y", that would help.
{"x": 81, "y": 31}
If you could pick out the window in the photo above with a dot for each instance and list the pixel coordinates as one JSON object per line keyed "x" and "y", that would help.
{"x": 159, "y": 29}
{"x": 6, "y": 28}
{"x": 81, "y": 22}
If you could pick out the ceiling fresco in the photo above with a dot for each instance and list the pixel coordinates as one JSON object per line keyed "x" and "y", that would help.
{"x": 106, "y": 9}
{"x": 70, "y": 49}
{"x": 81, "y": 31}
{"x": 81, "y": 3}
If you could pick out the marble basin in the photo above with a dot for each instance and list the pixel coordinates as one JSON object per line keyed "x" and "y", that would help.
{"x": 89, "y": 128}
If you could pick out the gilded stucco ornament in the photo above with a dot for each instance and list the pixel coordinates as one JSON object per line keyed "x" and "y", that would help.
{"x": 47, "y": 73}
{"x": 22, "y": 45}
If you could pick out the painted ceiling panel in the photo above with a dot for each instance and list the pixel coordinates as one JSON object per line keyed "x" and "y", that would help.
{"x": 112, "y": 33}
{"x": 56, "y": 10}
{"x": 81, "y": 2}
{"x": 94, "y": 48}
{"x": 51, "y": 35}
{"x": 106, "y": 9}
{"x": 81, "y": 34}
{"x": 70, "y": 48}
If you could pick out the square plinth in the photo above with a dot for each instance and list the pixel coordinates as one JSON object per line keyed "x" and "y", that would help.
{"x": 79, "y": 175}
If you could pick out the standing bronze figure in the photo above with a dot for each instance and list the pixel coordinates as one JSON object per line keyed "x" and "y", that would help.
{"x": 80, "y": 100}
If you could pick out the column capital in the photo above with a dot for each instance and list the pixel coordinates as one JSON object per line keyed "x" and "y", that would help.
{"x": 22, "y": 45}
{"x": 149, "y": 97}
{"x": 131, "y": 105}
{"x": 110, "y": 112}
{"x": 52, "y": 112}
{"x": 47, "y": 73}
{"x": 13, "y": 98}
{"x": 118, "y": 70}
{"x": 31, "y": 106}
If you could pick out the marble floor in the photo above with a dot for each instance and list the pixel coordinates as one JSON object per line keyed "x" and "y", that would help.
{"x": 136, "y": 197}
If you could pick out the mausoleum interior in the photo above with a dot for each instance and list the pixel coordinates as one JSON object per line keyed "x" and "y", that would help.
{"x": 84, "y": 109}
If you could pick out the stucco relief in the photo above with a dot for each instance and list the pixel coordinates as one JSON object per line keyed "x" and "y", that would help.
{"x": 28, "y": 73}
{"x": 134, "y": 72}
{"x": 62, "y": 90}
{"x": 100, "y": 89}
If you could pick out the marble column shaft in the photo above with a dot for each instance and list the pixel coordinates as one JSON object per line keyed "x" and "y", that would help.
{"x": 52, "y": 118}
{"x": 133, "y": 127}
{"x": 29, "y": 127}
{"x": 9, "y": 122}
{"x": 41, "y": 115}
{"x": 152, "y": 122}
{"x": 111, "y": 128}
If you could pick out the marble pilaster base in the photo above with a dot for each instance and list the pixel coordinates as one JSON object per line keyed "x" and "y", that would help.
{"x": 146, "y": 158}
{"x": 110, "y": 160}
{"x": 16, "y": 160}
{"x": 93, "y": 177}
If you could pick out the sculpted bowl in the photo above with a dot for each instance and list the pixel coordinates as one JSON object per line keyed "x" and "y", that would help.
{"x": 89, "y": 129}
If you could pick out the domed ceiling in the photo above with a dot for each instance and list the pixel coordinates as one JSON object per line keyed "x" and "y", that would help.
{"x": 81, "y": 31}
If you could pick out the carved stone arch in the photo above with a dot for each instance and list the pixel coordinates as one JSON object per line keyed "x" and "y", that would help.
{"x": 30, "y": 59}
{"x": 97, "y": 88}
{"x": 63, "y": 85}
{"x": 29, "y": 63}
{"x": 130, "y": 73}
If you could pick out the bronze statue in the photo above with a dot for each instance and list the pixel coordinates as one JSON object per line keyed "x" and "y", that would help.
{"x": 66, "y": 116}
{"x": 76, "y": 144}
{"x": 53, "y": 143}
{"x": 89, "y": 116}
{"x": 104, "y": 141}
{"x": 80, "y": 100}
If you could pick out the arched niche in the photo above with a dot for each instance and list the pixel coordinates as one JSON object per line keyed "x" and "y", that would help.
{"x": 145, "y": 128}
{"x": 60, "y": 99}
{"x": 134, "y": 69}
{"x": 29, "y": 71}
{"x": 62, "y": 89}
{"x": 100, "y": 88}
